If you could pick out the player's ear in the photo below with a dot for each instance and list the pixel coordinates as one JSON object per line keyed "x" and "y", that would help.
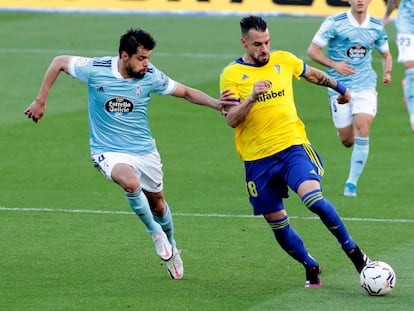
{"x": 124, "y": 55}
{"x": 243, "y": 42}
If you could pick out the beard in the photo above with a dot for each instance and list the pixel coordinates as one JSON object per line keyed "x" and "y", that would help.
{"x": 134, "y": 74}
{"x": 261, "y": 60}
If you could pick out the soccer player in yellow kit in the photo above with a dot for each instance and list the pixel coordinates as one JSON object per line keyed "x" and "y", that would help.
{"x": 271, "y": 140}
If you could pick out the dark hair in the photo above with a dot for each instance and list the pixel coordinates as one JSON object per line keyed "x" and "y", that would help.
{"x": 252, "y": 22}
{"x": 135, "y": 38}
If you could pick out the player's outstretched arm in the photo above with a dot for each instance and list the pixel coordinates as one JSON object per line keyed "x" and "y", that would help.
{"x": 37, "y": 108}
{"x": 198, "y": 97}
{"x": 319, "y": 77}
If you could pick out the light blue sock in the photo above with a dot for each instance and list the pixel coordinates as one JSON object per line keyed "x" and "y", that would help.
{"x": 139, "y": 204}
{"x": 409, "y": 92}
{"x": 167, "y": 224}
{"x": 358, "y": 159}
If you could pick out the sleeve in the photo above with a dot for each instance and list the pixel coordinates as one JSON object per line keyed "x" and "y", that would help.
{"x": 382, "y": 43}
{"x": 227, "y": 83}
{"x": 324, "y": 33}
{"x": 162, "y": 84}
{"x": 80, "y": 68}
{"x": 298, "y": 65}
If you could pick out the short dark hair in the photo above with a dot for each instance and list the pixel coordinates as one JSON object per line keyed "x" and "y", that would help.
{"x": 252, "y": 22}
{"x": 135, "y": 38}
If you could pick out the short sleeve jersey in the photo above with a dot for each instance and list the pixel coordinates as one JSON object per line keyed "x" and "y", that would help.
{"x": 117, "y": 107}
{"x": 272, "y": 124}
{"x": 405, "y": 18}
{"x": 347, "y": 40}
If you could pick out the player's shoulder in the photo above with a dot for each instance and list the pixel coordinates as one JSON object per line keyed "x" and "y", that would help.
{"x": 232, "y": 66}
{"x": 376, "y": 22}
{"x": 279, "y": 55}
{"x": 334, "y": 21}
{"x": 152, "y": 69}
{"x": 105, "y": 61}
{"x": 339, "y": 17}
{"x": 282, "y": 53}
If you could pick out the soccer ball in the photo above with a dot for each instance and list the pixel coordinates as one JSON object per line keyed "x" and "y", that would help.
{"x": 378, "y": 278}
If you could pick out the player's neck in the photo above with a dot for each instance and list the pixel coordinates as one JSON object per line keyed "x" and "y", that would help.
{"x": 247, "y": 59}
{"x": 122, "y": 70}
{"x": 359, "y": 16}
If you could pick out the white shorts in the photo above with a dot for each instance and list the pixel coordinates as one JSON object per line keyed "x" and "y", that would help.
{"x": 148, "y": 167}
{"x": 361, "y": 102}
{"x": 405, "y": 44}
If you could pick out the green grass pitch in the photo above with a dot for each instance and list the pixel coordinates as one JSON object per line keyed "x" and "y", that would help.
{"x": 69, "y": 240}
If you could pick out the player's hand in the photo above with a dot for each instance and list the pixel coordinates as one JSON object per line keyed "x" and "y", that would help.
{"x": 260, "y": 88}
{"x": 227, "y": 100}
{"x": 344, "y": 68}
{"x": 36, "y": 110}
{"x": 386, "y": 78}
{"x": 343, "y": 99}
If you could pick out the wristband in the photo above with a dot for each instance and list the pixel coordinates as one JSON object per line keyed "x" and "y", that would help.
{"x": 340, "y": 88}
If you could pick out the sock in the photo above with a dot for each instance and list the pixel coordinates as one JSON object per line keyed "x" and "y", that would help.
{"x": 409, "y": 92}
{"x": 358, "y": 159}
{"x": 167, "y": 224}
{"x": 322, "y": 207}
{"x": 139, "y": 204}
{"x": 291, "y": 242}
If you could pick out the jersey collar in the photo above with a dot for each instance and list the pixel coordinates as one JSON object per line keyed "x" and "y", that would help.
{"x": 355, "y": 23}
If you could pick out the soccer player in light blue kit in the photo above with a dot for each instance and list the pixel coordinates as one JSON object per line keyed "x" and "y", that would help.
{"x": 350, "y": 38}
{"x": 404, "y": 24}
{"x": 121, "y": 144}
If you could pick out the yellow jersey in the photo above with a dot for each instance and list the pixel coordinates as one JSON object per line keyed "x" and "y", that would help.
{"x": 272, "y": 124}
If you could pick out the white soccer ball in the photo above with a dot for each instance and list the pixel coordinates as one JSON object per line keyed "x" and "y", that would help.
{"x": 378, "y": 278}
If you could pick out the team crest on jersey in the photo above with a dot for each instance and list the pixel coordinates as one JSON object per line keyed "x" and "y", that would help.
{"x": 357, "y": 51}
{"x": 277, "y": 68}
{"x": 244, "y": 77}
{"x": 119, "y": 105}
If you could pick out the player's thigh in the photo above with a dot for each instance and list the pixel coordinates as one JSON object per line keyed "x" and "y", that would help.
{"x": 265, "y": 189}
{"x": 105, "y": 162}
{"x": 150, "y": 171}
{"x": 405, "y": 45}
{"x": 118, "y": 167}
{"x": 365, "y": 102}
{"x": 303, "y": 164}
{"x": 341, "y": 113}
{"x": 267, "y": 197}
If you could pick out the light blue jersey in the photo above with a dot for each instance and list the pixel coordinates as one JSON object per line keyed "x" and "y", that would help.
{"x": 117, "y": 107}
{"x": 404, "y": 22}
{"x": 347, "y": 40}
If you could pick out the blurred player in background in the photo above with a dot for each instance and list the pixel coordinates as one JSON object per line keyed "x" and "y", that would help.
{"x": 404, "y": 24}
{"x": 121, "y": 143}
{"x": 271, "y": 140}
{"x": 350, "y": 38}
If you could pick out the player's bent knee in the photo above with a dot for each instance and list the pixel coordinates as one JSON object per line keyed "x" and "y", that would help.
{"x": 347, "y": 143}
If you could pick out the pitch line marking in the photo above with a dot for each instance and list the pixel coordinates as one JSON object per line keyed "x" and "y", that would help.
{"x": 212, "y": 215}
